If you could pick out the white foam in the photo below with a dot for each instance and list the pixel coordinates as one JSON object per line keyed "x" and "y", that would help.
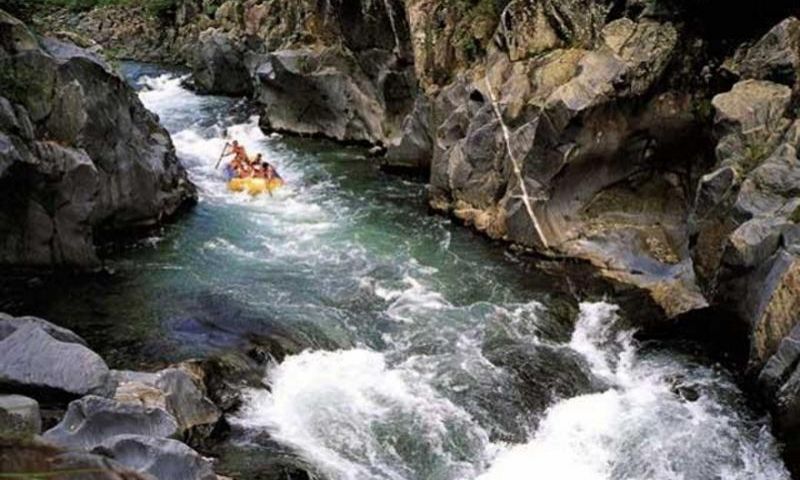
{"x": 639, "y": 428}
{"x": 352, "y": 416}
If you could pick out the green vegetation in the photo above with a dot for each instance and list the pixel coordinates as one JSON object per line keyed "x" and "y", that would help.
{"x": 795, "y": 216}
{"x": 157, "y": 8}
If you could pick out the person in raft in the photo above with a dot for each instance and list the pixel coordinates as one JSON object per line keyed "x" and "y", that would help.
{"x": 239, "y": 166}
{"x": 263, "y": 169}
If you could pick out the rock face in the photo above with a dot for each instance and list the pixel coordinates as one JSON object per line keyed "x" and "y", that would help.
{"x": 218, "y": 66}
{"x": 162, "y": 458}
{"x": 566, "y": 150}
{"x": 80, "y": 157}
{"x": 339, "y": 69}
{"x": 36, "y": 363}
{"x": 19, "y": 416}
{"x": 358, "y": 87}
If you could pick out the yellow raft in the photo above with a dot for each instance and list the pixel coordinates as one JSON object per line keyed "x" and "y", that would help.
{"x": 254, "y": 186}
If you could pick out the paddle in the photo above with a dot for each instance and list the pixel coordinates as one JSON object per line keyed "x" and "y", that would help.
{"x": 221, "y": 155}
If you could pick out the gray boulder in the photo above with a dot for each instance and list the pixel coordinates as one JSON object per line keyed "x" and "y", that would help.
{"x": 163, "y": 459}
{"x": 91, "y": 421}
{"x": 19, "y": 416}
{"x": 34, "y": 362}
{"x": 218, "y": 66}
{"x": 9, "y": 325}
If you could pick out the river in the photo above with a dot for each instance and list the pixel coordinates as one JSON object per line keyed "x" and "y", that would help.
{"x": 424, "y": 351}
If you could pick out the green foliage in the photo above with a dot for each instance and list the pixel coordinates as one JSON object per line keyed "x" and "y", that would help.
{"x": 81, "y": 5}
{"x": 157, "y": 8}
{"x": 795, "y": 216}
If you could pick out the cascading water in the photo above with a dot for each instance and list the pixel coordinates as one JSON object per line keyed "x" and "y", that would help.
{"x": 423, "y": 351}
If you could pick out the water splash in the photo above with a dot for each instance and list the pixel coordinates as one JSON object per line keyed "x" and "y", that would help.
{"x": 354, "y": 417}
{"x": 641, "y": 428}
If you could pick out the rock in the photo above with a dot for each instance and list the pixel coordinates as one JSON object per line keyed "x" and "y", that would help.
{"x": 9, "y": 325}
{"x": 36, "y": 456}
{"x": 775, "y": 56}
{"x": 19, "y": 416}
{"x": 414, "y": 147}
{"x": 186, "y": 399}
{"x": 162, "y": 458}
{"x": 80, "y": 158}
{"x": 179, "y": 390}
{"x": 32, "y": 361}
{"x": 529, "y": 28}
{"x": 753, "y": 242}
{"x": 91, "y": 421}
{"x": 226, "y": 376}
{"x": 318, "y": 94}
{"x": 780, "y": 365}
{"x": 773, "y": 305}
{"x": 218, "y": 66}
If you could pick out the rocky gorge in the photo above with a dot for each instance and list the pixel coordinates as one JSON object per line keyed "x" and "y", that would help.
{"x": 650, "y": 143}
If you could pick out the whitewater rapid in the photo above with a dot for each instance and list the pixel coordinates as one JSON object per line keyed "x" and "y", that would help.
{"x": 440, "y": 365}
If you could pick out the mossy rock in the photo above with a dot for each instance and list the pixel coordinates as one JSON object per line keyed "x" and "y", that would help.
{"x": 29, "y": 79}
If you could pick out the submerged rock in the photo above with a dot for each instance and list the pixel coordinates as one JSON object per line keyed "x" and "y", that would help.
{"x": 80, "y": 157}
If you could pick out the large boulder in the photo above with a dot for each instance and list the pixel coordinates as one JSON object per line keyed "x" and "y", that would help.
{"x": 80, "y": 156}
{"x": 161, "y": 458}
{"x": 9, "y": 325}
{"x": 91, "y": 421}
{"x": 351, "y": 80}
{"x": 318, "y": 94}
{"x": 34, "y": 362}
{"x": 19, "y": 416}
{"x": 218, "y": 65}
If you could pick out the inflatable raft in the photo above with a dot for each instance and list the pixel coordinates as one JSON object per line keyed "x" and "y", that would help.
{"x": 254, "y": 186}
